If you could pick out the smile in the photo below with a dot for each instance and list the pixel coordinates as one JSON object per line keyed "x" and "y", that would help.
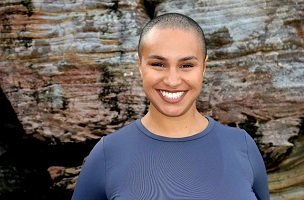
{"x": 172, "y": 95}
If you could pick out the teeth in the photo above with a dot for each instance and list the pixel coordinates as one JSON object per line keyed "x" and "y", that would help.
{"x": 172, "y": 95}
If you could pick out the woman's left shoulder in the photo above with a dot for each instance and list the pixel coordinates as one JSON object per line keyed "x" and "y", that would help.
{"x": 232, "y": 135}
{"x": 229, "y": 131}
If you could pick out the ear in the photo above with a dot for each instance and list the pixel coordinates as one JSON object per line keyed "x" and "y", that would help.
{"x": 205, "y": 64}
{"x": 206, "y": 59}
{"x": 139, "y": 66}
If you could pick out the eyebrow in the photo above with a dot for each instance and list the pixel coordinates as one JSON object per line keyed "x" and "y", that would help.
{"x": 182, "y": 59}
{"x": 188, "y": 58}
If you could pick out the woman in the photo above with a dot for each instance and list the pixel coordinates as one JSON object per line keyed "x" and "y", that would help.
{"x": 173, "y": 152}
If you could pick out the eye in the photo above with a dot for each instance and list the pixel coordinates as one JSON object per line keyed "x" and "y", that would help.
{"x": 158, "y": 65}
{"x": 185, "y": 66}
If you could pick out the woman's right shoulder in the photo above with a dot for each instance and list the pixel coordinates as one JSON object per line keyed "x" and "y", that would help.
{"x": 120, "y": 136}
{"x": 121, "y": 132}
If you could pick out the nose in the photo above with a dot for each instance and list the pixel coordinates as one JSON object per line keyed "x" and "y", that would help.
{"x": 172, "y": 78}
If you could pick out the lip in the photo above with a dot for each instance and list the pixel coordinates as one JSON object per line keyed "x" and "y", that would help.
{"x": 172, "y": 100}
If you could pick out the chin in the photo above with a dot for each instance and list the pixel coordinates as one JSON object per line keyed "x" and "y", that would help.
{"x": 172, "y": 110}
{"x": 172, "y": 113}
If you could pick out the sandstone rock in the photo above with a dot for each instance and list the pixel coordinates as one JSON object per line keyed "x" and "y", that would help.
{"x": 69, "y": 70}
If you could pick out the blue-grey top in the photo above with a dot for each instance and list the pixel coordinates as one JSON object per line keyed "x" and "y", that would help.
{"x": 219, "y": 163}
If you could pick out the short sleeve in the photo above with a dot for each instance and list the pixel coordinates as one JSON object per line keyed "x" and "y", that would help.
{"x": 92, "y": 178}
{"x": 260, "y": 182}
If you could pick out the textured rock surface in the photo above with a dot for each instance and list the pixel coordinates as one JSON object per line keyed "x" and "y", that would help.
{"x": 68, "y": 69}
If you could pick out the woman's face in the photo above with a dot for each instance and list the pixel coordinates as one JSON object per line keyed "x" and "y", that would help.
{"x": 172, "y": 66}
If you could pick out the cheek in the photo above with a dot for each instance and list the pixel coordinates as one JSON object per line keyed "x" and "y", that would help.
{"x": 147, "y": 82}
{"x": 150, "y": 78}
{"x": 195, "y": 81}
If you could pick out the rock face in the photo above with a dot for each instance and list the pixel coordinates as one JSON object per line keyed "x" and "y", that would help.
{"x": 68, "y": 69}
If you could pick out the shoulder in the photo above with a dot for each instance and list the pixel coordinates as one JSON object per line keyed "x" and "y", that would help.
{"x": 232, "y": 136}
{"x": 122, "y": 134}
{"x": 122, "y": 139}
{"x": 229, "y": 132}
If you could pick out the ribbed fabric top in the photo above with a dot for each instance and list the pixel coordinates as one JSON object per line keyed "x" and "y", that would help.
{"x": 168, "y": 139}
{"x": 219, "y": 163}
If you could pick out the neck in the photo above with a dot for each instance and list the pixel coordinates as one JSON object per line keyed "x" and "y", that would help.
{"x": 185, "y": 125}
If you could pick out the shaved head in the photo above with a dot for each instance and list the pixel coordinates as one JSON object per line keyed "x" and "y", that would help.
{"x": 174, "y": 21}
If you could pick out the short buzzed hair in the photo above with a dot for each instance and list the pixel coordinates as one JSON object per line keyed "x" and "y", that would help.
{"x": 173, "y": 20}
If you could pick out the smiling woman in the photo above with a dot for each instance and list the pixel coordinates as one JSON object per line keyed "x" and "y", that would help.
{"x": 172, "y": 66}
{"x": 173, "y": 152}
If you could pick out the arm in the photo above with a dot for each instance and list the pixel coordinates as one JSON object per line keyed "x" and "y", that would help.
{"x": 92, "y": 178}
{"x": 260, "y": 180}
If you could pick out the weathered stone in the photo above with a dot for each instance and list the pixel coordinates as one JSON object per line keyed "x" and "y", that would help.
{"x": 69, "y": 70}
{"x": 78, "y": 63}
